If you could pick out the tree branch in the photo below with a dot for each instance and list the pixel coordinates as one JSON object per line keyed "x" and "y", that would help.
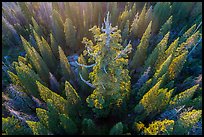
{"x": 87, "y": 82}
{"x": 86, "y": 66}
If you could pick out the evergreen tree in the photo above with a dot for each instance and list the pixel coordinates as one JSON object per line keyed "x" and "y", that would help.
{"x": 125, "y": 31}
{"x": 186, "y": 121}
{"x": 37, "y": 128}
{"x": 141, "y": 51}
{"x": 54, "y": 46}
{"x": 65, "y": 66}
{"x": 70, "y": 34}
{"x": 28, "y": 77}
{"x": 183, "y": 97}
{"x": 111, "y": 57}
{"x": 36, "y": 27}
{"x": 188, "y": 33}
{"x": 138, "y": 27}
{"x": 46, "y": 52}
{"x": 88, "y": 127}
{"x": 161, "y": 13}
{"x": 58, "y": 29}
{"x": 157, "y": 53}
{"x": 166, "y": 26}
{"x": 164, "y": 127}
{"x": 68, "y": 125}
{"x": 36, "y": 61}
{"x": 176, "y": 66}
{"x": 117, "y": 129}
{"x": 13, "y": 126}
{"x": 46, "y": 94}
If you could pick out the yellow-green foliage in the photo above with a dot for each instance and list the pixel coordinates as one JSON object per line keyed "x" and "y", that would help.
{"x": 141, "y": 51}
{"x": 186, "y": 121}
{"x": 37, "y": 128}
{"x": 164, "y": 127}
{"x": 166, "y": 26}
{"x": 109, "y": 57}
{"x": 176, "y": 65}
{"x": 28, "y": 77}
{"x": 13, "y": 126}
{"x": 70, "y": 34}
{"x": 14, "y": 78}
{"x": 183, "y": 97}
{"x": 65, "y": 66}
{"x": 46, "y": 94}
{"x": 157, "y": 53}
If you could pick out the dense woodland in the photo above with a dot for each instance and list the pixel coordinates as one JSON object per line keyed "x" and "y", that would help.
{"x": 105, "y": 68}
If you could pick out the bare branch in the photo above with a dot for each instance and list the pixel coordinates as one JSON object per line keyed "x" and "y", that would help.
{"x": 87, "y": 82}
{"x": 104, "y": 68}
{"x": 86, "y": 66}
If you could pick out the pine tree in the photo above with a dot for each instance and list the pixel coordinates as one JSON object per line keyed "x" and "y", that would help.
{"x": 46, "y": 52}
{"x": 13, "y": 126}
{"x": 188, "y": 33}
{"x": 36, "y": 27}
{"x": 58, "y": 29}
{"x": 123, "y": 18}
{"x": 37, "y": 128}
{"x": 68, "y": 125}
{"x": 111, "y": 57}
{"x": 148, "y": 16}
{"x": 28, "y": 77}
{"x": 137, "y": 27}
{"x": 164, "y": 127}
{"x": 176, "y": 66}
{"x": 125, "y": 31}
{"x": 186, "y": 121}
{"x": 65, "y": 66}
{"x": 14, "y": 78}
{"x": 166, "y": 27}
{"x": 70, "y": 34}
{"x": 183, "y": 97}
{"x": 141, "y": 51}
{"x": 54, "y": 46}
{"x": 46, "y": 94}
{"x": 161, "y": 13}
{"x": 157, "y": 53}
{"x": 36, "y": 61}
{"x": 88, "y": 127}
{"x": 117, "y": 129}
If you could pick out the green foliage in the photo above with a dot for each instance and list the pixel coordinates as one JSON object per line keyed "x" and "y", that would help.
{"x": 65, "y": 66}
{"x": 117, "y": 129}
{"x": 186, "y": 121}
{"x": 46, "y": 94}
{"x": 92, "y": 94}
{"x": 183, "y": 97}
{"x": 88, "y": 127}
{"x": 164, "y": 127}
{"x": 13, "y": 126}
{"x": 141, "y": 51}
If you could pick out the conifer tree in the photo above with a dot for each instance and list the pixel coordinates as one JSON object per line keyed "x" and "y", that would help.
{"x": 166, "y": 26}
{"x": 58, "y": 29}
{"x": 88, "y": 127}
{"x": 37, "y": 128}
{"x": 46, "y": 52}
{"x": 157, "y": 53}
{"x": 141, "y": 51}
{"x": 14, "y": 78}
{"x": 164, "y": 127}
{"x": 123, "y": 18}
{"x": 186, "y": 121}
{"x": 176, "y": 65}
{"x": 138, "y": 27}
{"x": 148, "y": 16}
{"x": 28, "y": 77}
{"x": 13, "y": 126}
{"x": 125, "y": 31}
{"x": 37, "y": 27}
{"x": 117, "y": 129}
{"x": 70, "y": 34}
{"x": 111, "y": 57}
{"x": 46, "y": 94}
{"x": 183, "y": 97}
{"x": 161, "y": 13}
{"x": 188, "y": 33}
{"x": 54, "y": 46}
{"x": 65, "y": 66}
{"x": 36, "y": 61}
